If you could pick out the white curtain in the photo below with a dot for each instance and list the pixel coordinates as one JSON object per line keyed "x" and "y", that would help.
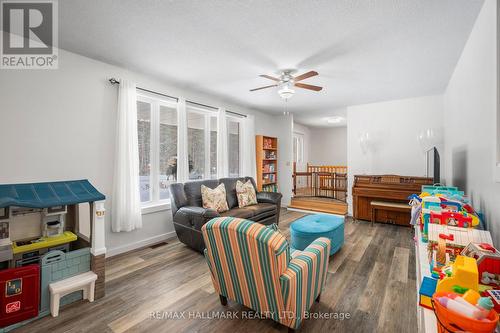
{"x": 126, "y": 205}
{"x": 222, "y": 146}
{"x": 248, "y": 167}
{"x": 182, "y": 142}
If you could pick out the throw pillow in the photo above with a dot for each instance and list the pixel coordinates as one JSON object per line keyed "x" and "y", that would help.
{"x": 246, "y": 194}
{"x": 214, "y": 198}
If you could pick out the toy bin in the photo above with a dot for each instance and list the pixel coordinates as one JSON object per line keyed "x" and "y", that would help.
{"x": 451, "y": 321}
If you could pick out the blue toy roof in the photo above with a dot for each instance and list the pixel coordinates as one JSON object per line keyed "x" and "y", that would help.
{"x": 44, "y": 195}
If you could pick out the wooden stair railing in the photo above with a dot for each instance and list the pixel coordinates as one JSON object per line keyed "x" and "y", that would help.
{"x": 328, "y": 181}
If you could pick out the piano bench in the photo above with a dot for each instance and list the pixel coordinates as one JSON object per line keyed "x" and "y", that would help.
{"x": 387, "y": 206}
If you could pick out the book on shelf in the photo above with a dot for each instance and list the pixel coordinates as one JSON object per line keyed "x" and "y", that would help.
{"x": 270, "y": 188}
{"x": 267, "y": 143}
{"x": 269, "y": 178}
{"x": 269, "y": 168}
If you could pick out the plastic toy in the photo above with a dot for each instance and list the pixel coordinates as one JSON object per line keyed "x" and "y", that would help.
{"x": 495, "y": 298}
{"x": 53, "y": 220}
{"x": 30, "y": 252}
{"x": 464, "y": 274}
{"x": 450, "y": 321}
{"x": 426, "y": 220}
{"x": 452, "y": 218}
{"x": 19, "y": 294}
{"x": 471, "y": 296}
{"x": 461, "y": 238}
{"x": 441, "y": 250}
{"x": 458, "y": 304}
{"x": 427, "y": 289}
{"x": 43, "y": 242}
{"x": 5, "y": 242}
{"x": 488, "y": 262}
{"x": 430, "y": 201}
{"x": 444, "y": 190}
{"x": 453, "y": 206}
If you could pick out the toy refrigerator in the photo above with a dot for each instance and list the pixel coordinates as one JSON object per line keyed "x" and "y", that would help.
{"x": 19, "y": 296}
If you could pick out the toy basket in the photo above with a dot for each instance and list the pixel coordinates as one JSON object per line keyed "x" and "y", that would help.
{"x": 450, "y": 321}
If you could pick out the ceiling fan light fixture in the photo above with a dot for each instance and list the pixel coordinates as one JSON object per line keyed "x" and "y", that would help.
{"x": 286, "y": 92}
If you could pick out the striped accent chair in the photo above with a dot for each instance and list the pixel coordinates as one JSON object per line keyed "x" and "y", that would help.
{"x": 251, "y": 264}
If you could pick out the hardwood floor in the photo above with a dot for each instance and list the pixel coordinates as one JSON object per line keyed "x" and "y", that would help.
{"x": 372, "y": 279}
{"x": 317, "y": 204}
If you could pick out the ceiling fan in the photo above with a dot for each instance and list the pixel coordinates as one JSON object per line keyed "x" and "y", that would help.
{"x": 286, "y": 81}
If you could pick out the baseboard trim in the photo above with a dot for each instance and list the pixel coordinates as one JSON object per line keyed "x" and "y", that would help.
{"x": 312, "y": 212}
{"x": 140, "y": 244}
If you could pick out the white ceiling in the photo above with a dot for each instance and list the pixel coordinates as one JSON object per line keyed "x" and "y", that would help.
{"x": 364, "y": 50}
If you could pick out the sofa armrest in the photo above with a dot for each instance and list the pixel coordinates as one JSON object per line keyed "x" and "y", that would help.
{"x": 195, "y": 217}
{"x": 305, "y": 272}
{"x": 269, "y": 197}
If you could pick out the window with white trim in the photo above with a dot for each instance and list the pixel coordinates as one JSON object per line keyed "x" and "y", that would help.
{"x": 157, "y": 127}
{"x": 233, "y": 146}
{"x": 202, "y": 142}
{"x": 157, "y": 138}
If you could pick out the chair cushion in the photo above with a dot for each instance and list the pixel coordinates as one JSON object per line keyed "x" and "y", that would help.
{"x": 262, "y": 208}
{"x": 214, "y": 198}
{"x": 255, "y": 212}
{"x": 243, "y": 213}
{"x": 245, "y": 192}
{"x": 193, "y": 191}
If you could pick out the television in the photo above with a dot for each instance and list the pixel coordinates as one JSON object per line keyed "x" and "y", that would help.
{"x": 433, "y": 165}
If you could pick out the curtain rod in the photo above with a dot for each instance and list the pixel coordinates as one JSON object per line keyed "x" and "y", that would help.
{"x": 115, "y": 81}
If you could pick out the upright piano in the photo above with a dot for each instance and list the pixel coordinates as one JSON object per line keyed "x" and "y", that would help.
{"x": 384, "y": 188}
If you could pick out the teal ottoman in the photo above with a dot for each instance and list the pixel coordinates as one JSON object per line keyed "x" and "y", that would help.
{"x": 308, "y": 228}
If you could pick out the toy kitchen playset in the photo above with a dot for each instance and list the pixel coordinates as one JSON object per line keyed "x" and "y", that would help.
{"x": 52, "y": 248}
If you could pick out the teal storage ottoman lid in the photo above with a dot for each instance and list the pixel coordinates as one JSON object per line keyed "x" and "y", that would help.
{"x": 317, "y": 224}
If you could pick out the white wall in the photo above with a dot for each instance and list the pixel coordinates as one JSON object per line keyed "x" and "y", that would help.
{"x": 328, "y": 146}
{"x": 394, "y": 127}
{"x": 305, "y": 132}
{"x": 470, "y": 116}
{"x": 60, "y": 125}
{"x": 281, "y": 127}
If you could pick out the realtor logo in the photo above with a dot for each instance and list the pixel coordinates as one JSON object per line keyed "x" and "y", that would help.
{"x": 29, "y": 34}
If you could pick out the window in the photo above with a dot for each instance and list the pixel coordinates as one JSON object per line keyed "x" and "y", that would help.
{"x": 157, "y": 129}
{"x": 202, "y": 142}
{"x": 168, "y": 149}
{"x": 233, "y": 144}
{"x": 157, "y": 139}
{"x": 144, "y": 139}
{"x": 213, "y": 147}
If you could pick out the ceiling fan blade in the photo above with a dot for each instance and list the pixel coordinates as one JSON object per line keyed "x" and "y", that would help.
{"x": 305, "y": 76}
{"x": 308, "y": 86}
{"x": 270, "y": 78}
{"x": 273, "y": 85}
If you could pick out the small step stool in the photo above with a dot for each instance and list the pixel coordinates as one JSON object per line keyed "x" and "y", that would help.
{"x": 85, "y": 282}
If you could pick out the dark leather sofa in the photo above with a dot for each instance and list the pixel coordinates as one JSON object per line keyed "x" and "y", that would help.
{"x": 189, "y": 215}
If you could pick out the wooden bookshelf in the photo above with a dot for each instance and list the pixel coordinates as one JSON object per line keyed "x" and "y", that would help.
{"x": 267, "y": 163}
